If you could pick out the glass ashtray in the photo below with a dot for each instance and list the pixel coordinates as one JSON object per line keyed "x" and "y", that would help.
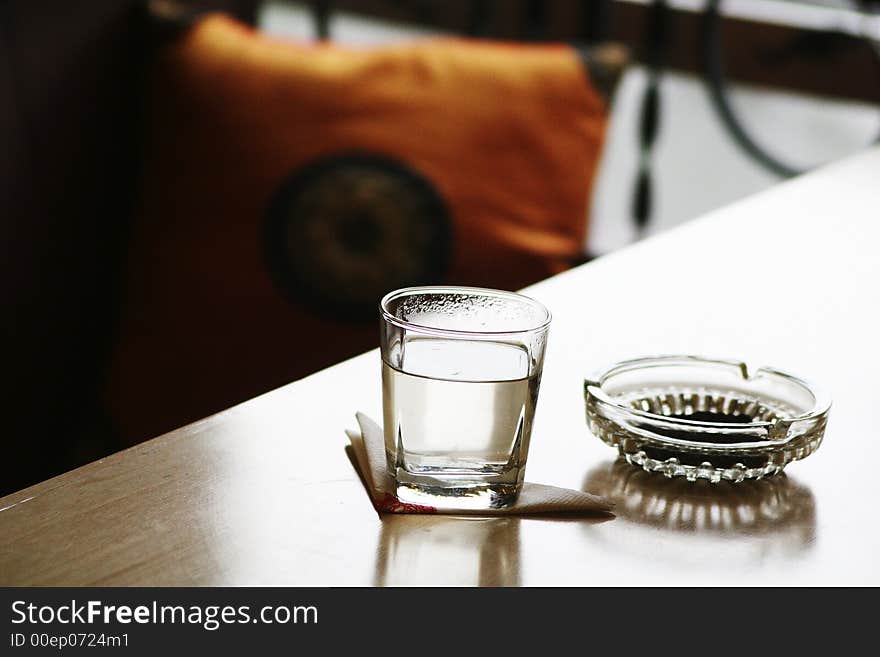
{"x": 705, "y": 418}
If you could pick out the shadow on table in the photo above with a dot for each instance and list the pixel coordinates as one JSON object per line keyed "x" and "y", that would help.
{"x": 777, "y": 510}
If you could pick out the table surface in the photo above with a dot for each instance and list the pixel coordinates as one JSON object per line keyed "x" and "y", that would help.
{"x": 263, "y": 493}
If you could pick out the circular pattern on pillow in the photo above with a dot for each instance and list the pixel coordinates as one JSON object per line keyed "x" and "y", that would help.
{"x": 344, "y": 230}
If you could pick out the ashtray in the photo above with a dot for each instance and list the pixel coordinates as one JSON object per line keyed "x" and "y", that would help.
{"x": 705, "y": 418}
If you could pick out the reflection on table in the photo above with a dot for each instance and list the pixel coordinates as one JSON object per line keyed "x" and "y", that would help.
{"x": 696, "y": 522}
{"x": 419, "y": 550}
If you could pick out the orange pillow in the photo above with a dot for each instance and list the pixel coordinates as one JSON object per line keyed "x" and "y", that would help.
{"x": 287, "y": 186}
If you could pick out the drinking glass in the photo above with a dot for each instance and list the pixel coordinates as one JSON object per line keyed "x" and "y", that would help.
{"x": 461, "y": 369}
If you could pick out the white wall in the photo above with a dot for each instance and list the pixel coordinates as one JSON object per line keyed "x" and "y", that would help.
{"x": 697, "y": 167}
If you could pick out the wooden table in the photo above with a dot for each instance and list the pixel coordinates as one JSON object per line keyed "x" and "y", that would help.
{"x": 263, "y": 493}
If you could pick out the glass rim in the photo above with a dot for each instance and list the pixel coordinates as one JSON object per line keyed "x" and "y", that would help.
{"x": 389, "y": 317}
{"x": 594, "y": 386}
